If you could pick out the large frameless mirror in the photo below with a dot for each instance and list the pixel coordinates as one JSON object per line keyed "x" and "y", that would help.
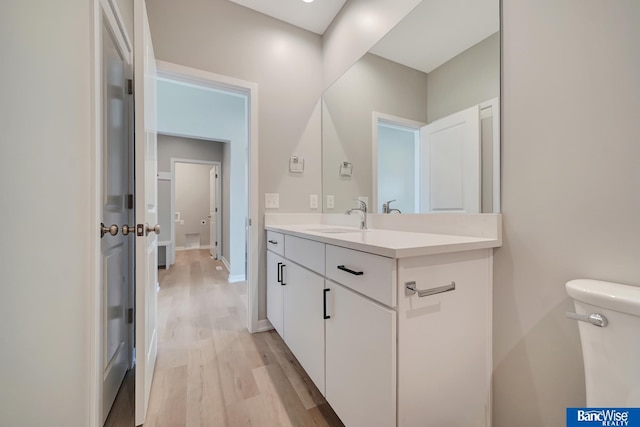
{"x": 416, "y": 120}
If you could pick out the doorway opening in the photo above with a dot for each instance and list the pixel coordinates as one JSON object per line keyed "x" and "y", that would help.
{"x": 195, "y": 104}
{"x": 191, "y": 202}
{"x": 396, "y": 164}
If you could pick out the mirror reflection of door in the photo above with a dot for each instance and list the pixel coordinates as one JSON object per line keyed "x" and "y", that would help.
{"x": 450, "y": 163}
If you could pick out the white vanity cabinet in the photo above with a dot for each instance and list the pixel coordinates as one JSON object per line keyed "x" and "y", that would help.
{"x": 295, "y": 300}
{"x": 444, "y": 340}
{"x": 303, "y": 314}
{"x": 390, "y": 341}
{"x": 275, "y": 291}
{"x": 360, "y": 359}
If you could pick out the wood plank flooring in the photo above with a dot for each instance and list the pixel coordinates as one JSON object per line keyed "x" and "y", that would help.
{"x": 210, "y": 371}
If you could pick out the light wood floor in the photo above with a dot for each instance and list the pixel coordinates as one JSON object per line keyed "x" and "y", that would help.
{"x": 210, "y": 371}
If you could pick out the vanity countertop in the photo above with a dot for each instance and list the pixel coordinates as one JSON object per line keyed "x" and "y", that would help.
{"x": 388, "y": 243}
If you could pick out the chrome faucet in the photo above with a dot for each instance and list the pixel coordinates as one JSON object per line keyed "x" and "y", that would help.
{"x": 386, "y": 207}
{"x": 362, "y": 210}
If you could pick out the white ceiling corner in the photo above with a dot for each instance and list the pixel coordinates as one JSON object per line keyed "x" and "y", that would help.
{"x": 314, "y": 17}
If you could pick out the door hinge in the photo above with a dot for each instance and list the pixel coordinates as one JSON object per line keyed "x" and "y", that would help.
{"x": 216, "y": 175}
{"x": 216, "y": 209}
{"x": 216, "y": 243}
{"x": 130, "y": 316}
{"x": 130, "y": 201}
{"x": 249, "y": 222}
{"x": 130, "y": 86}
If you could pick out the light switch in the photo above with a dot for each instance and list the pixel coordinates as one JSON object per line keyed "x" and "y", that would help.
{"x": 330, "y": 202}
{"x": 313, "y": 201}
{"x": 271, "y": 200}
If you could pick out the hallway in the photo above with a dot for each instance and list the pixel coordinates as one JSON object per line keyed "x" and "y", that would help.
{"x": 210, "y": 371}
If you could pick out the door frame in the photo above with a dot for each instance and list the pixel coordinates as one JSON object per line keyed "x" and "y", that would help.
{"x": 107, "y": 12}
{"x": 392, "y": 121}
{"x": 175, "y": 160}
{"x": 215, "y": 250}
{"x": 250, "y": 89}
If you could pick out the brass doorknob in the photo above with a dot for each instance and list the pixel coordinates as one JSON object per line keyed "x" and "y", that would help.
{"x": 127, "y": 229}
{"x": 113, "y": 230}
{"x": 155, "y": 229}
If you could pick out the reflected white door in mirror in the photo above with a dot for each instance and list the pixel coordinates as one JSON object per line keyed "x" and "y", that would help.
{"x": 443, "y": 167}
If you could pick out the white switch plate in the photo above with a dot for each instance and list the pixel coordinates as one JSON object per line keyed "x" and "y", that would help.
{"x": 271, "y": 200}
{"x": 330, "y": 202}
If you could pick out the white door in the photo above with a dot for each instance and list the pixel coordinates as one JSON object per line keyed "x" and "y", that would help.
{"x": 450, "y": 163}
{"x": 146, "y": 209}
{"x": 114, "y": 246}
{"x": 360, "y": 362}
{"x": 304, "y": 320}
{"x": 213, "y": 211}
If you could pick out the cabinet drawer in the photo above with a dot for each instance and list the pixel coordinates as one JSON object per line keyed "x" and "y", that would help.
{"x": 371, "y": 275}
{"x": 305, "y": 252}
{"x": 275, "y": 242}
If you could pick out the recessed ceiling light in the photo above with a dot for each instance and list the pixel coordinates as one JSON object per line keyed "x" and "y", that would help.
{"x": 307, "y": 1}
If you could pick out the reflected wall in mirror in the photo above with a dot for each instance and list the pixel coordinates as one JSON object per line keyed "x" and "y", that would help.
{"x": 418, "y": 115}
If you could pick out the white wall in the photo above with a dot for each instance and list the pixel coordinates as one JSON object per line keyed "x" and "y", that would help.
{"x": 45, "y": 180}
{"x": 285, "y": 62}
{"x": 468, "y": 79}
{"x": 571, "y": 179}
{"x": 200, "y": 112}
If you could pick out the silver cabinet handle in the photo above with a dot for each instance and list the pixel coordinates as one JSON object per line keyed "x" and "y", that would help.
{"x": 113, "y": 230}
{"x": 596, "y": 319}
{"x": 410, "y": 289}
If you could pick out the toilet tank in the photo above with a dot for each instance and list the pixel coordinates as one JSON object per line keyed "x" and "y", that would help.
{"x": 611, "y": 353}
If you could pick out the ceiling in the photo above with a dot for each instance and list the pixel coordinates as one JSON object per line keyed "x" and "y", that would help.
{"x": 314, "y": 17}
{"x": 433, "y": 33}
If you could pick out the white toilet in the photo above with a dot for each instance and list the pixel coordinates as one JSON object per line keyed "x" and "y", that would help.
{"x": 608, "y": 315}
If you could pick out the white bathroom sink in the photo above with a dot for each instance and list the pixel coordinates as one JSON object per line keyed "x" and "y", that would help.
{"x": 335, "y": 230}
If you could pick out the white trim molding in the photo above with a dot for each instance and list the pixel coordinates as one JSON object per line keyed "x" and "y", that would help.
{"x": 264, "y": 325}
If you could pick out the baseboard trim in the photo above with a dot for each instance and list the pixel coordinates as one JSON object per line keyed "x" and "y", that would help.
{"x": 237, "y": 278}
{"x": 182, "y": 248}
{"x": 226, "y": 263}
{"x": 264, "y": 325}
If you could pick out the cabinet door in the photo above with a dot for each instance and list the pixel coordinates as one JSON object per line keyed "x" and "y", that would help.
{"x": 275, "y": 291}
{"x": 444, "y": 342}
{"x": 360, "y": 359}
{"x": 304, "y": 319}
